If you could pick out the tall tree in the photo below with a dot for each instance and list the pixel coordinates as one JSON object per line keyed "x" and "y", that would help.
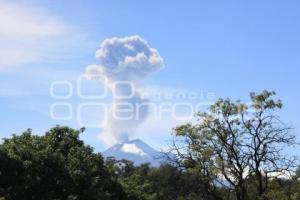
{"x": 268, "y": 137}
{"x": 235, "y": 141}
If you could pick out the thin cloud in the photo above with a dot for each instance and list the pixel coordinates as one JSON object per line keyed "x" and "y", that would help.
{"x": 30, "y": 34}
{"x": 21, "y": 21}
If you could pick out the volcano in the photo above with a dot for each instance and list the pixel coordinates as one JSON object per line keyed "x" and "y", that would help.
{"x": 136, "y": 151}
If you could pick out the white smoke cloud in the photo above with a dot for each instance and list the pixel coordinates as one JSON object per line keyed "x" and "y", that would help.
{"x": 127, "y": 60}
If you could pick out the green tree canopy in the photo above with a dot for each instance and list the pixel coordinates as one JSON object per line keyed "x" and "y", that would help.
{"x": 55, "y": 166}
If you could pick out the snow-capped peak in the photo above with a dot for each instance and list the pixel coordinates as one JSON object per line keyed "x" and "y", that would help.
{"x": 135, "y": 150}
{"x": 132, "y": 148}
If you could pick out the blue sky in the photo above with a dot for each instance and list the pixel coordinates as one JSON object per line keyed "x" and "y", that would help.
{"x": 228, "y": 48}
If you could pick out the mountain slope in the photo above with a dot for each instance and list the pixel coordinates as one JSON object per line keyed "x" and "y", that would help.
{"x": 137, "y": 151}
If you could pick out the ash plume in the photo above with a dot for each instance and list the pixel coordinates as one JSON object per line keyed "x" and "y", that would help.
{"x": 125, "y": 60}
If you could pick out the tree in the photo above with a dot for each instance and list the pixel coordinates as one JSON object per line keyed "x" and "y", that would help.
{"x": 234, "y": 141}
{"x": 166, "y": 182}
{"x": 170, "y": 183}
{"x": 55, "y": 166}
{"x": 268, "y": 137}
{"x": 11, "y": 172}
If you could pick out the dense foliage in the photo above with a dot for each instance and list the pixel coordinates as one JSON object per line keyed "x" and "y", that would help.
{"x": 231, "y": 154}
{"x": 55, "y": 166}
